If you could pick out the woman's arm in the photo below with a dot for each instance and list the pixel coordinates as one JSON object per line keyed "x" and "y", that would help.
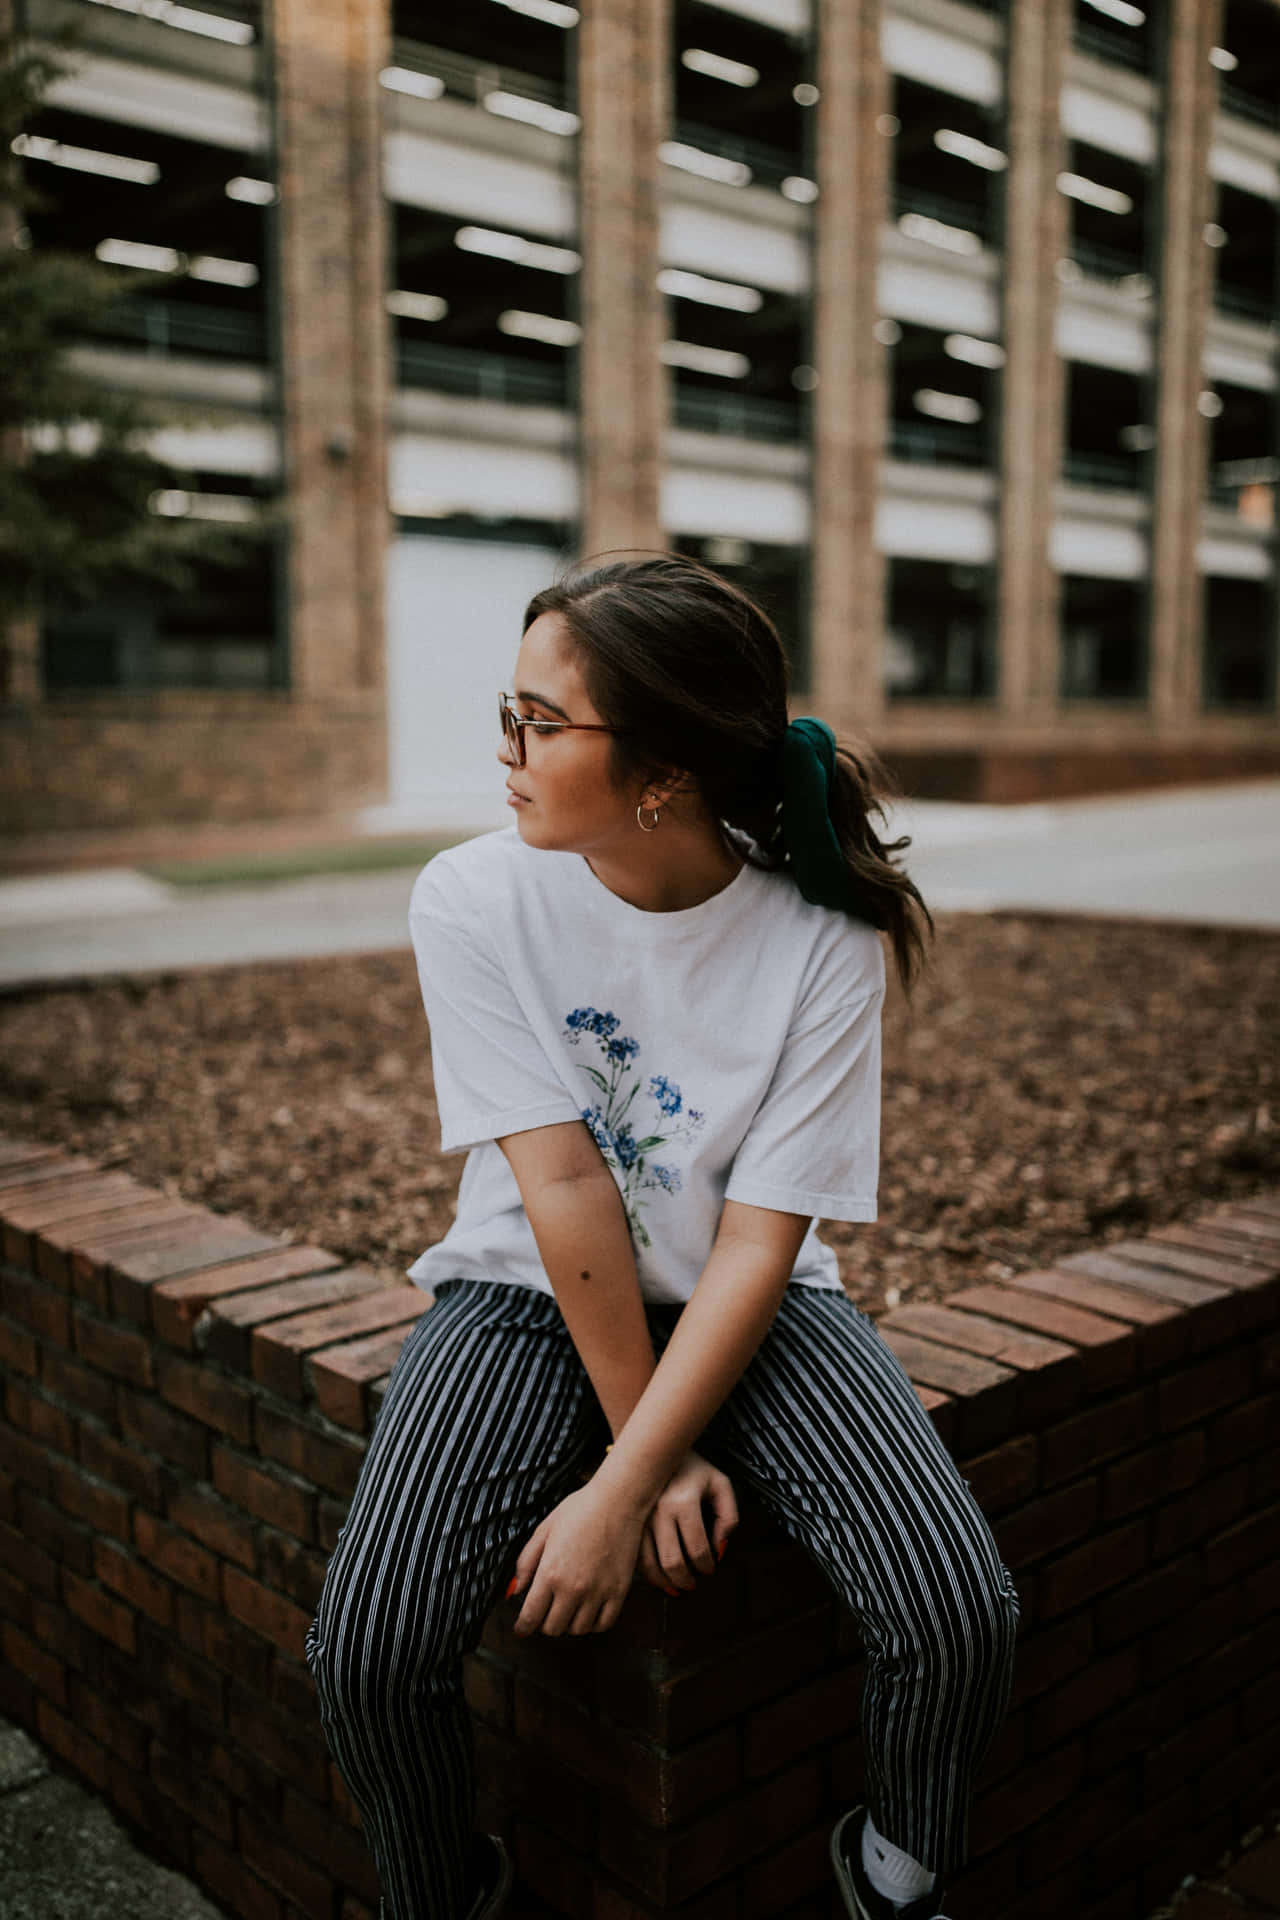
{"x": 580, "y": 1228}
{"x": 732, "y": 1308}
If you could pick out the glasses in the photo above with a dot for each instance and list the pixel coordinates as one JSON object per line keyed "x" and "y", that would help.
{"x": 514, "y": 724}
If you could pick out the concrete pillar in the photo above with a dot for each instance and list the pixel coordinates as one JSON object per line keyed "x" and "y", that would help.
{"x": 624, "y": 57}
{"x": 849, "y": 406}
{"x": 334, "y": 332}
{"x": 1177, "y": 600}
{"x": 1035, "y": 239}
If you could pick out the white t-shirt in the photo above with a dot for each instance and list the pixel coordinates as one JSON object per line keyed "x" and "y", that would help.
{"x": 730, "y": 1050}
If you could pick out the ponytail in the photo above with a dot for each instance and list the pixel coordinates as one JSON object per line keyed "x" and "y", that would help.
{"x": 860, "y": 786}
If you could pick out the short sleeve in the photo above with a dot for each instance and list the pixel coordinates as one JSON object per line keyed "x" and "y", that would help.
{"x": 492, "y": 1075}
{"x": 813, "y": 1146}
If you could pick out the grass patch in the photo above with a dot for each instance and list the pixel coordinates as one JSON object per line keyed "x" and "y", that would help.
{"x": 269, "y": 868}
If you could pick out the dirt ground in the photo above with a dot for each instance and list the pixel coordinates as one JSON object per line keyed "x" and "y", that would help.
{"x": 1054, "y": 1083}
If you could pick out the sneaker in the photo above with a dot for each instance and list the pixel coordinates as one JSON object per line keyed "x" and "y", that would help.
{"x": 491, "y": 1874}
{"x": 860, "y": 1897}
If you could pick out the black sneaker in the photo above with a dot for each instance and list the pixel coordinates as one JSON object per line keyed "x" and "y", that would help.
{"x": 860, "y": 1897}
{"x": 491, "y": 1877}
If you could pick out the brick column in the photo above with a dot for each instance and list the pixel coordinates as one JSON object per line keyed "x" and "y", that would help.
{"x": 1177, "y": 603}
{"x": 1039, "y": 34}
{"x": 20, "y": 681}
{"x": 624, "y": 54}
{"x": 334, "y": 335}
{"x": 849, "y": 409}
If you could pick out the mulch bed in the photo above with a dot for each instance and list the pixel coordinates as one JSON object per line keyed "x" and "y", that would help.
{"x": 1054, "y": 1083}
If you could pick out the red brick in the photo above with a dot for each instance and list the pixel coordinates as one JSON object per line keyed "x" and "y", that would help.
{"x": 1161, "y": 1329}
{"x": 675, "y": 1707}
{"x": 55, "y": 1245}
{"x": 1087, "y": 1439}
{"x": 102, "y": 1507}
{"x": 985, "y": 1394}
{"x": 1049, "y": 1655}
{"x": 1143, "y": 1604}
{"x": 39, "y": 1308}
{"x": 118, "y": 1569}
{"x": 1012, "y": 1806}
{"x": 810, "y": 1716}
{"x": 180, "y": 1441}
{"x": 1109, "y": 1348}
{"x": 233, "y": 1316}
{"x": 191, "y": 1789}
{"x": 112, "y": 1349}
{"x": 1249, "y": 1259}
{"x": 47, "y": 1675}
{"x": 100, "y": 1612}
{"x": 1243, "y": 1546}
{"x": 265, "y": 1493}
{"x": 214, "y": 1522}
{"x": 1006, "y": 1476}
{"x": 712, "y": 1846}
{"x": 39, "y": 1418}
{"x": 291, "y": 1746}
{"x": 277, "y": 1863}
{"x": 200, "y": 1391}
{"x": 19, "y": 1350}
{"x": 265, "y": 1612}
{"x": 1095, "y": 1691}
{"x": 24, "y": 1160}
{"x": 120, "y": 1735}
{"x": 1255, "y": 1228}
{"x": 1204, "y": 1627}
{"x": 177, "y": 1556}
{"x": 1205, "y": 1509}
{"x": 487, "y": 1686}
{"x": 1048, "y": 1523}
{"x": 211, "y": 1633}
{"x": 292, "y": 1569}
{"x": 1111, "y": 1265}
{"x": 1202, "y": 1389}
{"x": 1253, "y": 1427}
{"x": 62, "y": 1175}
{"x": 280, "y": 1350}
{"x": 122, "y": 1466}
{"x": 26, "y": 1562}
{"x": 1170, "y": 1258}
{"x": 339, "y": 1378}
{"x": 77, "y": 1387}
{"x": 1144, "y": 1478}
{"x": 49, "y": 1203}
{"x": 319, "y": 1838}
{"x": 1091, "y": 1569}
{"x": 83, "y": 1755}
{"x": 208, "y": 1242}
{"x": 177, "y": 1306}
{"x": 70, "y": 1542}
{"x": 330, "y": 1463}
{"x": 24, "y": 1459}
{"x": 231, "y": 1882}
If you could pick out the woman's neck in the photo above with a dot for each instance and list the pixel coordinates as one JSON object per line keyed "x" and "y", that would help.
{"x": 678, "y": 865}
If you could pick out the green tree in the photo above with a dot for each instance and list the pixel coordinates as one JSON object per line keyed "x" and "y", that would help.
{"x": 76, "y": 478}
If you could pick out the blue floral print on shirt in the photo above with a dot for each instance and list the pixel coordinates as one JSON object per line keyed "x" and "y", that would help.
{"x": 612, "y": 1123}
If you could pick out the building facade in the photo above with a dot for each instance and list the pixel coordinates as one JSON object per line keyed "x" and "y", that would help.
{"x": 948, "y": 328}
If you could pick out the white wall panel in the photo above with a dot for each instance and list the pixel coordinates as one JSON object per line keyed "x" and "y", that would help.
{"x": 477, "y": 183}
{"x": 434, "y": 474}
{"x": 139, "y": 96}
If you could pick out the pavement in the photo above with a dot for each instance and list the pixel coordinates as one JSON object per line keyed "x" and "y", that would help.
{"x": 1207, "y": 855}
{"x": 63, "y": 1856}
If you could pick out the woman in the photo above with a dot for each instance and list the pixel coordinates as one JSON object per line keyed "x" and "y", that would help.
{"x": 655, "y": 1022}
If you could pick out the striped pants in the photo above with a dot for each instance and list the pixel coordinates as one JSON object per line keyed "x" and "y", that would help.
{"x": 490, "y": 1420}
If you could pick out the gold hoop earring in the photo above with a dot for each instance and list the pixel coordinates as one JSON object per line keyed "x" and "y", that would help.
{"x": 657, "y": 815}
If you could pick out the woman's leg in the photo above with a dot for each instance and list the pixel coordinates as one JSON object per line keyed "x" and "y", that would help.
{"x": 826, "y": 1430}
{"x": 487, "y": 1423}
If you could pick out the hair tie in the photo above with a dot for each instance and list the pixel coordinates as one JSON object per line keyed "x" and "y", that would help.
{"x": 818, "y": 865}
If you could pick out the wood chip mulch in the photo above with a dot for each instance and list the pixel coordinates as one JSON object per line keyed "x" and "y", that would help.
{"x": 1055, "y": 1083}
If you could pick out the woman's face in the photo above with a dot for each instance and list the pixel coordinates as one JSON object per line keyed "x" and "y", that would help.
{"x": 564, "y": 798}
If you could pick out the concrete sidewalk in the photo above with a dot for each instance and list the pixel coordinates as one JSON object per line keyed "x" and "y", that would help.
{"x": 1208, "y": 855}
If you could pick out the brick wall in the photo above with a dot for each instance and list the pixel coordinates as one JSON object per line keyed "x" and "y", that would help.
{"x": 102, "y": 761}
{"x": 185, "y": 1408}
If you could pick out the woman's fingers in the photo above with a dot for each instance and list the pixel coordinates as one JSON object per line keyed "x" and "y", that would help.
{"x": 671, "y": 1551}
{"x": 650, "y": 1565}
{"x": 724, "y": 1505}
{"x": 693, "y": 1534}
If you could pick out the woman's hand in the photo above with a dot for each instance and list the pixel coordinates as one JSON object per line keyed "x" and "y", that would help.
{"x": 576, "y": 1569}
{"x": 676, "y": 1539}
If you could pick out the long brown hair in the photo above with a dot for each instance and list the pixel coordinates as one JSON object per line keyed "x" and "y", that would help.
{"x": 695, "y": 672}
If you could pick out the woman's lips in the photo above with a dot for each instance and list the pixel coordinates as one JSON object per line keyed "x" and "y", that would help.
{"x": 515, "y": 799}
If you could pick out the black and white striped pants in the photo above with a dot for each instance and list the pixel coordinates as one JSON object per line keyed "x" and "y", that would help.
{"x": 490, "y": 1420}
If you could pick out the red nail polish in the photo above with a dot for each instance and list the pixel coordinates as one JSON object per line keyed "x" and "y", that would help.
{"x": 515, "y": 1582}
{"x": 672, "y": 1593}
{"x": 720, "y": 1549}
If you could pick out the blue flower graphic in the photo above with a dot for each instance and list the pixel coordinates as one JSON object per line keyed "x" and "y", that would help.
{"x": 625, "y": 1146}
